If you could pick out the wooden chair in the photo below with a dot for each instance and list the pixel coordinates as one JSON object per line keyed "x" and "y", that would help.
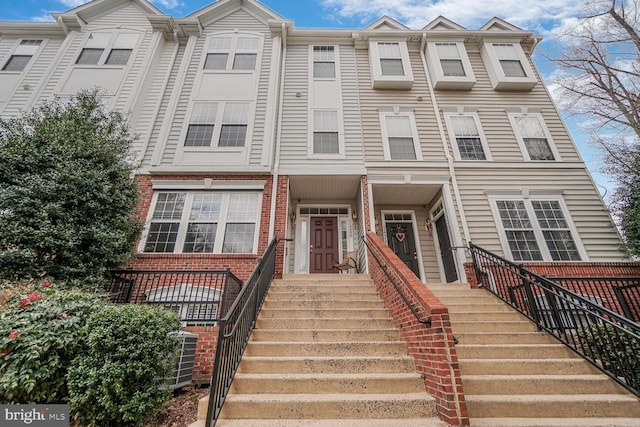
{"x": 348, "y": 262}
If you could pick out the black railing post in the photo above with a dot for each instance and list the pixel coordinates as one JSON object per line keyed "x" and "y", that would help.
{"x": 623, "y": 303}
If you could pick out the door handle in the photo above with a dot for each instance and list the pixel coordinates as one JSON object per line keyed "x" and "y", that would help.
{"x": 310, "y": 248}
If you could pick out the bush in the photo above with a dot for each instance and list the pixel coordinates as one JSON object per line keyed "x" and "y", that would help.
{"x": 41, "y": 332}
{"x": 129, "y": 352}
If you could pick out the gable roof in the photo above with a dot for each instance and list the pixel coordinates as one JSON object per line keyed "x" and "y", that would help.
{"x": 386, "y": 23}
{"x": 442, "y": 23}
{"x": 75, "y": 18}
{"x": 222, "y": 8}
{"x": 497, "y": 24}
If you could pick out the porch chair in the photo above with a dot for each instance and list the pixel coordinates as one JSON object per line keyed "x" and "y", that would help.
{"x": 348, "y": 262}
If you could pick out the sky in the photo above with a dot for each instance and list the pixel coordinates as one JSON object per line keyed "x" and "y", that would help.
{"x": 547, "y": 18}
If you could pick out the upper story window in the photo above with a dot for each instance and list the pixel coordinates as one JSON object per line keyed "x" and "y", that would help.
{"x": 22, "y": 55}
{"x": 232, "y": 117}
{"x": 107, "y": 49}
{"x": 467, "y": 138}
{"x": 449, "y": 65}
{"x": 390, "y": 65}
{"x": 324, "y": 62}
{"x": 537, "y": 230}
{"x": 232, "y": 52}
{"x": 203, "y": 222}
{"x": 400, "y": 136}
{"x": 325, "y": 132}
{"x": 508, "y": 66}
{"x": 533, "y": 137}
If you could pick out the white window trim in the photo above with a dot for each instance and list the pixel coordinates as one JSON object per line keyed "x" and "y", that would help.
{"x": 385, "y": 135}
{"x": 542, "y": 244}
{"x": 336, "y": 64}
{"x": 107, "y": 49}
{"x": 438, "y": 79}
{"x": 523, "y": 148}
{"x": 232, "y": 52}
{"x": 341, "y": 145}
{"x": 184, "y": 220}
{"x": 454, "y": 142}
{"x": 215, "y": 138}
{"x": 496, "y": 74}
{"x": 380, "y": 81}
{"x": 23, "y": 50}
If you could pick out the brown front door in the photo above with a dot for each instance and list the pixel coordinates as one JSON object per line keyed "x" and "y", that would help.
{"x": 324, "y": 244}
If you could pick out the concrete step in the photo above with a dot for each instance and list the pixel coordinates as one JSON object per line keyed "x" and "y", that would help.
{"x": 391, "y": 422}
{"x": 326, "y": 365}
{"x": 553, "y": 405}
{"x": 503, "y": 337}
{"x": 478, "y": 297}
{"x": 339, "y": 323}
{"x": 540, "y": 384}
{"x": 328, "y": 335}
{"x": 323, "y": 406}
{"x": 512, "y": 351}
{"x": 555, "y": 422}
{"x": 470, "y": 307}
{"x": 335, "y": 288}
{"x": 563, "y": 366}
{"x": 378, "y": 348}
{"x": 319, "y": 304}
{"x": 491, "y": 326}
{"x": 292, "y": 297}
{"x": 327, "y": 313}
{"x": 496, "y": 316}
{"x": 323, "y": 279}
{"x": 365, "y": 383}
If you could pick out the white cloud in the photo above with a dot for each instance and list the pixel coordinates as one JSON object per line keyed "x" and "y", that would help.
{"x": 167, "y": 4}
{"x": 72, "y": 3}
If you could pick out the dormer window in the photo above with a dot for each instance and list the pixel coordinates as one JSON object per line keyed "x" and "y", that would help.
{"x": 449, "y": 65}
{"x": 22, "y": 55}
{"x": 390, "y": 65}
{"x": 507, "y": 65}
{"x": 237, "y": 52}
{"x": 107, "y": 49}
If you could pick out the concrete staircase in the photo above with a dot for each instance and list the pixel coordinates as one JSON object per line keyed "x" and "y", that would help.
{"x": 513, "y": 375}
{"x": 325, "y": 353}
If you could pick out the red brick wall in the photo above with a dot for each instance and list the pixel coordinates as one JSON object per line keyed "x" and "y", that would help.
{"x": 282, "y": 198}
{"x": 432, "y": 345}
{"x": 205, "y": 352}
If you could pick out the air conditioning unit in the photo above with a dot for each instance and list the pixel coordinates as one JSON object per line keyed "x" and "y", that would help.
{"x": 183, "y": 370}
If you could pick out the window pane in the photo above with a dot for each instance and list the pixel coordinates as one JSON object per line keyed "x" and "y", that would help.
{"x": 245, "y": 61}
{"x": 236, "y": 113}
{"x": 16, "y": 63}
{"x": 549, "y": 214}
{"x": 538, "y": 149}
{"x": 206, "y": 206}
{"x": 220, "y": 43}
{"x": 216, "y": 61}
{"x": 204, "y": 113}
{"x": 200, "y": 238}
{"x": 389, "y": 50}
{"x": 323, "y": 53}
{"x": 512, "y": 68}
{"x": 325, "y": 120}
{"x": 513, "y": 214}
{"x": 248, "y": 43}
{"x": 325, "y": 143}
{"x": 238, "y": 238}
{"x": 169, "y": 206}
{"x": 161, "y": 237}
{"x": 452, "y": 67}
{"x": 233, "y": 135}
{"x": 391, "y": 67}
{"x": 324, "y": 70}
{"x": 464, "y": 126}
{"x": 119, "y": 56}
{"x": 470, "y": 149}
{"x": 402, "y": 148}
{"x": 561, "y": 245}
{"x": 523, "y": 245}
{"x": 199, "y": 136}
{"x": 398, "y": 126}
{"x": 243, "y": 207}
{"x": 89, "y": 56}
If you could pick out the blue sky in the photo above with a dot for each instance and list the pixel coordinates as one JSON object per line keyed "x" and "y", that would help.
{"x": 546, "y": 17}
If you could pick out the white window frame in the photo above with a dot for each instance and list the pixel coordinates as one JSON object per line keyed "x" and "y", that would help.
{"x": 438, "y": 77}
{"x": 499, "y": 80}
{"x": 385, "y": 135}
{"x": 340, "y": 131}
{"x": 312, "y": 61}
{"x": 217, "y": 126}
{"x": 184, "y": 221}
{"x": 520, "y": 138}
{"x": 380, "y": 81}
{"x": 535, "y": 226}
{"x": 454, "y": 141}
{"x": 108, "y": 41}
{"x": 24, "y": 48}
{"x": 232, "y": 52}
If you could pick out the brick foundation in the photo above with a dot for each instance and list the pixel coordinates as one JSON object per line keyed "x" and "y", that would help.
{"x": 431, "y": 346}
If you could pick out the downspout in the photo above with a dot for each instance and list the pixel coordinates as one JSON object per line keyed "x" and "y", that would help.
{"x": 445, "y": 146}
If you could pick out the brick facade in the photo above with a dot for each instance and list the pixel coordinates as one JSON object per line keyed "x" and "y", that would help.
{"x": 205, "y": 352}
{"x": 431, "y": 346}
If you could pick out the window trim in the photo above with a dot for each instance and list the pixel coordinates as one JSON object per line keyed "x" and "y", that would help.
{"x": 312, "y": 129}
{"x": 438, "y": 78}
{"x": 217, "y": 127}
{"x": 231, "y": 53}
{"x": 499, "y": 80}
{"x": 312, "y": 62}
{"x": 454, "y": 142}
{"x": 111, "y": 44}
{"x": 385, "y": 135}
{"x": 520, "y": 139}
{"x": 380, "y": 81}
{"x": 22, "y": 49}
{"x": 537, "y": 230}
{"x": 184, "y": 220}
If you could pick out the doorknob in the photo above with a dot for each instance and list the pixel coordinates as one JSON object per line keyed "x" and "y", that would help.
{"x": 415, "y": 255}
{"x": 310, "y": 248}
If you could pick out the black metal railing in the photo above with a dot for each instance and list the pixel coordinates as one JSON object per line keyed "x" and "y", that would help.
{"x": 199, "y": 296}
{"x": 383, "y": 266}
{"x": 604, "y": 338}
{"x": 618, "y": 294}
{"x": 235, "y": 329}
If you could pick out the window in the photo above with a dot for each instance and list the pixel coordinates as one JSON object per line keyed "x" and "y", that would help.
{"x": 449, "y": 65}
{"x": 536, "y": 230}
{"x": 325, "y": 132}
{"x": 204, "y": 222}
{"x": 533, "y": 137}
{"x": 390, "y": 65}
{"x": 22, "y": 55}
{"x": 107, "y": 49}
{"x": 233, "y": 118}
{"x": 508, "y": 66}
{"x": 450, "y": 60}
{"x": 234, "y": 52}
{"x": 324, "y": 63}
{"x": 467, "y": 140}
{"x": 399, "y": 131}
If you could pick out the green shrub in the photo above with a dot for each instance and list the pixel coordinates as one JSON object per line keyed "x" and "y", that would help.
{"x": 41, "y": 332}
{"x": 129, "y": 351}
